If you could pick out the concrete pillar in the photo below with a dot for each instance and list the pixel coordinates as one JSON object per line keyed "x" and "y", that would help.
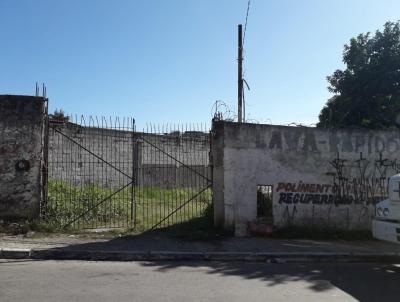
{"x": 217, "y": 164}
{"x": 22, "y": 120}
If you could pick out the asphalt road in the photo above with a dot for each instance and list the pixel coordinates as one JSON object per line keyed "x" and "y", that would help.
{"x": 27, "y": 280}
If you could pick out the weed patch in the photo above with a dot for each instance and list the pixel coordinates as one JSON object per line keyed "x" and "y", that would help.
{"x": 139, "y": 208}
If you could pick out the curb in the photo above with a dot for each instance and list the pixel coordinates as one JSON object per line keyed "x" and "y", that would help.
{"x": 15, "y": 253}
{"x": 271, "y": 257}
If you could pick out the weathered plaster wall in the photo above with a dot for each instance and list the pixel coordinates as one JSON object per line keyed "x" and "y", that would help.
{"x": 152, "y": 160}
{"x": 319, "y": 177}
{"x": 21, "y": 154}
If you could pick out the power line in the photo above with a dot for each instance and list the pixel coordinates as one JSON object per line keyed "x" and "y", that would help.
{"x": 244, "y": 37}
{"x": 241, "y": 80}
{"x": 245, "y": 24}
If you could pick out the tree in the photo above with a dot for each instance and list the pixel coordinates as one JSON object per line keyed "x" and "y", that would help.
{"x": 367, "y": 92}
{"x": 59, "y": 115}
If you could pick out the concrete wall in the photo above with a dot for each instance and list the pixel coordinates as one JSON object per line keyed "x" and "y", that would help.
{"x": 152, "y": 159}
{"x": 21, "y": 154}
{"x": 82, "y": 156}
{"x": 320, "y": 178}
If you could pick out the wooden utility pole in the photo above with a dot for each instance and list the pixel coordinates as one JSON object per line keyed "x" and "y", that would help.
{"x": 240, "y": 74}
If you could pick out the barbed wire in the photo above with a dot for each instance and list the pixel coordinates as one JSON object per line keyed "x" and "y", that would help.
{"x": 294, "y": 124}
{"x": 222, "y": 112}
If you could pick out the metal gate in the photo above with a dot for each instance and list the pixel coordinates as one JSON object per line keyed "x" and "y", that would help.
{"x": 102, "y": 174}
{"x": 173, "y": 176}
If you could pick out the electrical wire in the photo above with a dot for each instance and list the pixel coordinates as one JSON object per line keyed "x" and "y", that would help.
{"x": 245, "y": 24}
{"x": 244, "y": 37}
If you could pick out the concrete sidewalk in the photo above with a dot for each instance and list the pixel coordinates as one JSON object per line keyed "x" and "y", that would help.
{"x": 159, "y": 246}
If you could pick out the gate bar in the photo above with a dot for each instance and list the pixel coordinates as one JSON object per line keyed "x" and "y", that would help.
{"x": 180, "y": 207}
{"x": 90, "y": 152}
{"x": 177, "y": 160}
{"x": 96, "y": 205}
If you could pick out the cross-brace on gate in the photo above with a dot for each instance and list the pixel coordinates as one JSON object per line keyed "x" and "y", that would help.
{"x": 103, "y": 174}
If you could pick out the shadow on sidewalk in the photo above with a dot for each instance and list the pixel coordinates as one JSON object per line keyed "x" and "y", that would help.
{"x": 198, "y": 236}
{"x": 364, "y": 282}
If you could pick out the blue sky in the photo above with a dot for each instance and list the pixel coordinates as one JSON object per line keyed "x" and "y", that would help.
{"x": 169, "y": 61}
